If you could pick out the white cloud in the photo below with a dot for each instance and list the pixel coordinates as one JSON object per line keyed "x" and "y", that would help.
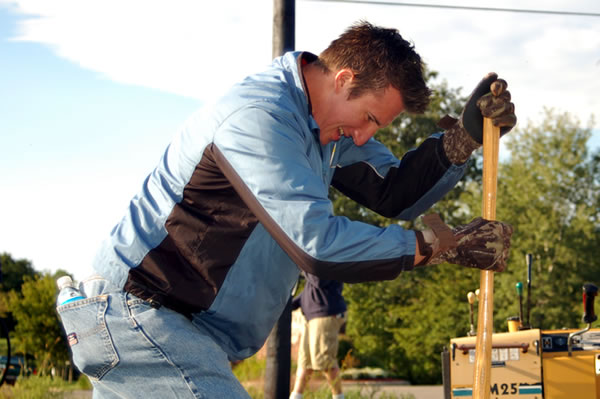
{"x": 185, "y": 47}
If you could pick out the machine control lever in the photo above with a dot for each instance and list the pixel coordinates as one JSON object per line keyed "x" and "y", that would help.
{"x": 589, "y": 294}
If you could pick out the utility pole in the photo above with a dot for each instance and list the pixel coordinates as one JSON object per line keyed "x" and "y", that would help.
{"x": 279, "y": 362}
{"x": 284, "y": 26}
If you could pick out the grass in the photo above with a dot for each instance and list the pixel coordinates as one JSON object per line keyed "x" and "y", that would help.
{"x": 36, "y": 387}
{"x": 250, "y": 369}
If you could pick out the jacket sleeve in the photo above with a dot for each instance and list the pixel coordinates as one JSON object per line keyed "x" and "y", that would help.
{"x": 375, "y": 178}
{"x": 274, "y": 165}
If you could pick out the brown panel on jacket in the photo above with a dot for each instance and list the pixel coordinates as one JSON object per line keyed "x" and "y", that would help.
{"x": 206, "y": 232}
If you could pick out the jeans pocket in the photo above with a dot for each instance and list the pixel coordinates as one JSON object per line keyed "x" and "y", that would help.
{"x": 87, "y": 334}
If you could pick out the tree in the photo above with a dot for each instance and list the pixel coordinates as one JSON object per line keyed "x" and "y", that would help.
{"x": 549, "y": 192}
{"x": 38, "y": 330}
{"x": 13, "y": 272}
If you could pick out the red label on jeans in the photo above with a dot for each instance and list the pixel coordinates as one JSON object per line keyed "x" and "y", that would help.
{"x": 72, "y": 339}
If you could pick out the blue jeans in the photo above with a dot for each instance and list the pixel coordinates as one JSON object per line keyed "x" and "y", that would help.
{"x": 132, "y": 350}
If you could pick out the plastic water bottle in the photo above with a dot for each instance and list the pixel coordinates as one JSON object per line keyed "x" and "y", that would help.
{"x": 67, "y": 292}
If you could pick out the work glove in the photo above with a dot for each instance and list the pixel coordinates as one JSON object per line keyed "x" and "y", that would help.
{"x": 464, "y": 135}
{"x": 482, "y": 244}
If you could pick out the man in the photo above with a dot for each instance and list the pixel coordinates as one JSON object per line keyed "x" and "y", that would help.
{"x": 324, "y": 311}
{"x": 204, "y": 260}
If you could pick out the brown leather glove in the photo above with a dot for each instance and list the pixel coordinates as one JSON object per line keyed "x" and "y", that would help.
{"x": 490, "y": 99}
{"x": 482, "y": 244}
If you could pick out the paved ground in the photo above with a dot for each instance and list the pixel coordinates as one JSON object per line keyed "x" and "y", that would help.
{"x": 398, "y": 389}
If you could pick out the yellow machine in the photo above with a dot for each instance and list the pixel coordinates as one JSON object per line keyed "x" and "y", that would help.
{"x": 531, "y": 363}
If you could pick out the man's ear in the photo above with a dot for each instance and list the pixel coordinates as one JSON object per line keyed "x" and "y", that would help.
{"x": 343, "y": 79}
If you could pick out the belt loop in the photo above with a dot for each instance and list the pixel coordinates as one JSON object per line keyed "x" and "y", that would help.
{"x": 153, "y": 303}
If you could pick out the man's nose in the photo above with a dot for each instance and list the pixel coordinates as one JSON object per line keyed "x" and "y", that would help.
{"x": 363, "y": 135}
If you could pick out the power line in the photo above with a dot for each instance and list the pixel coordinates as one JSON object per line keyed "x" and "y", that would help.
{"x": 390, "y": 3}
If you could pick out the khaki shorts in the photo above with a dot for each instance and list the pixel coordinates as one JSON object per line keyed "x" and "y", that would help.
{"x": 319, "y": 343}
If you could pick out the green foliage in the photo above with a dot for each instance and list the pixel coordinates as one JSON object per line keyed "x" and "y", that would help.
{"x": 14, "y": 272}
{"x": 255, "y": 392}
{"x": 38, "y": 330}
{"x": 549, "y": 192}
{"x": 249, "y": 369}
{"x": 403, "y": 325}
{"x": 83, "y": 383}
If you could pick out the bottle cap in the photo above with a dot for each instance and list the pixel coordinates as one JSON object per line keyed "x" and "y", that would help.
{"x": 64, "y": 281}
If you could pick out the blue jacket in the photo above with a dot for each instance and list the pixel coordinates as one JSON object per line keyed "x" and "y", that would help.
{"x": 239, "y": 202}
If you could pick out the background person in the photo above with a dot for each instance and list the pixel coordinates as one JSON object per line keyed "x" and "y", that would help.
{"x": 324, "y": 311}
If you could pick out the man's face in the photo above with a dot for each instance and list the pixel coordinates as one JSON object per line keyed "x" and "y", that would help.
{"x": 359, "y": 118}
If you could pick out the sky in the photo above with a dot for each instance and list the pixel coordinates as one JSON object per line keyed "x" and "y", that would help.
{"x": 91, "y": 92}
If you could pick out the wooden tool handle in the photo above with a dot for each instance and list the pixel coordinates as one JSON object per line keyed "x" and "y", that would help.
{"x": 485, "y": 319}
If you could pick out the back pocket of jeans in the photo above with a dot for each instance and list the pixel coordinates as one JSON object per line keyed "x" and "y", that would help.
{"x": 85, "y": 326}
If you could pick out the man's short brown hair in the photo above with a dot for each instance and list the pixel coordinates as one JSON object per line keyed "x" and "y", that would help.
{"x": 379, "y": 57}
